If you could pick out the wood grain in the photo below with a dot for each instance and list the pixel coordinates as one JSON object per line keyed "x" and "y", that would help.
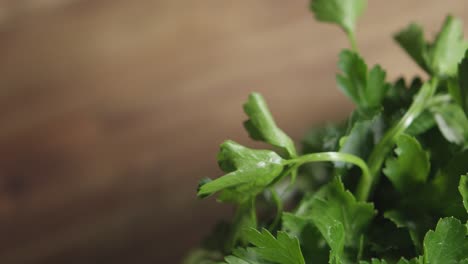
{"x": 111, "y": 111}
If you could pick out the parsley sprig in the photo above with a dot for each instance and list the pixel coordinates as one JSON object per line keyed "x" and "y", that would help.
{"x": 387, "y": 185}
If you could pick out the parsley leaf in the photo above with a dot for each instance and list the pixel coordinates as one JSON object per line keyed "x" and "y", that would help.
{"x": 418, "y": 260}
{"x": 401, "y": 261}
{"x": 447, "y": 244}
{"x": 410, "y": 167}
{"x": 244, "y": 256}
{"x": 443, "y": 194}
{"x": 426, "y": 125}
{"x": 452, "y": 122}
{"x": 463, "y": 82}
{"x": 421, "y": 124}
{"x": 236, "y": 260}
{"x": 339, "y": 217}
{"x": 249, "y": 171}
{"x": 342, "y": 12}
{"x": 313, "y": 245}
{"x": 463, "y": 188}
{"x": 261, "y": 125}
{"x": 360, "y": 139}
{"x": 323, "y": 139}
{"x": 441, "y": 57}
{"x": 366, "y": 89}
{"x": 281, "y": 250}
{"x": 374, "y": 261}
{"x": 448, "y": 48}
{"x": 415, "y": 223}
{"x": 411, "y": 39}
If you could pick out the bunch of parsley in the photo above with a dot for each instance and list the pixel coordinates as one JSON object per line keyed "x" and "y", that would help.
{"x": 387, "y": 185}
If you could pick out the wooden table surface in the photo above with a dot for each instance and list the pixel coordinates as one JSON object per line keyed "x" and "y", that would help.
{"x": 112, "y": 110}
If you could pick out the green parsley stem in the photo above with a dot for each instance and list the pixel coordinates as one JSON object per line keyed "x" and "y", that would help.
{"x": 279, "y": 208}
{"x": 352, "y": 40}
{"x": 420, "y": 103}
{"x": 365, "y": 183}
{"x": 245, "y": 217}
{"x": 438, "y": 100}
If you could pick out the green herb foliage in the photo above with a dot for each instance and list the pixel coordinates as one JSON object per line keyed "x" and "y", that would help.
{"x": 386, "y": 186}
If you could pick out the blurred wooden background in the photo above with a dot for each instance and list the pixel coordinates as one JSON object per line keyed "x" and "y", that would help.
{"x": 112, "y": 110}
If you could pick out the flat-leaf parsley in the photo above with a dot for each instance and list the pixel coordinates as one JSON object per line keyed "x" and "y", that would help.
{"x": 388, "y": 185}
